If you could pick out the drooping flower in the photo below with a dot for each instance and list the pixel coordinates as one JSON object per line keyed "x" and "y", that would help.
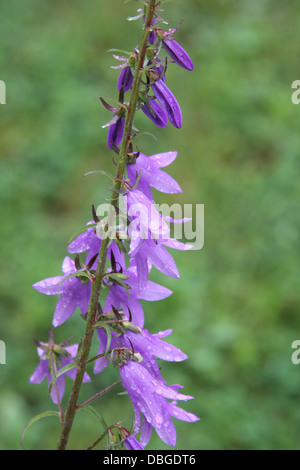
{"x": 150, "y": 347}
{"x": 144, "y": 217}
{"x": 119, "y": 298}
{"x": 62, "y": 357}
{"x": 149, "y": 398}
{"x": 74, "y": 292}
{"x": 147, "y": 345}
{"x": 151, "y": 175}
{"x": 90, "y": 241}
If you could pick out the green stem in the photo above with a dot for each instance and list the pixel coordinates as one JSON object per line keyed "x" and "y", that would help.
{"x": 97, "y": 284}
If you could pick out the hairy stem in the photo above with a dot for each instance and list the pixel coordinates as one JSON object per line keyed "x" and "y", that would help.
{"x": 97, "y": 284}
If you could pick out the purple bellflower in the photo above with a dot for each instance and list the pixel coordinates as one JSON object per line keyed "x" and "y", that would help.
{"x": 168, "y": 101}
{"x": 118, "y": 297}
{"x": 150, "y": 347}
{"x": 152, "y": 175}
{"x": 149, "y": 398}
{"x": 147, "y": 345}
{"x": 66, "y": 356}
{"x": 120, "y": 318}
{"x": 91, "y": 242}
{"x": 174, "y": 49}
{"x": 75, "y": 292}
{"x": 144, "y": 217}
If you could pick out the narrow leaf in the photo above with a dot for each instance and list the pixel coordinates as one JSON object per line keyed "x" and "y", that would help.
{"x": 61, "y": 372}
{"x": 36, "y": 418}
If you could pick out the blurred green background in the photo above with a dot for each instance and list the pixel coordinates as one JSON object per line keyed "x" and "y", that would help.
{"x": 235, "y": 310}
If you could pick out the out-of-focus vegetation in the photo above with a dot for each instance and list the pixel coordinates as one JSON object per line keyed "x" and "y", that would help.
{"x": 235, "y": 311}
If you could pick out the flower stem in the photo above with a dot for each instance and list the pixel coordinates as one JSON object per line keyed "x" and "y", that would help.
{"x": 97, "y": 284}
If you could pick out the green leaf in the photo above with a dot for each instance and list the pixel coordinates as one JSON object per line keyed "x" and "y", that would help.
{"x": 121, "y": 246}
{"x": 101, "y": 172}
{"x": 95, "y": 413}
{"x": 122, "y": 51}
{"x": 36, "y": 418}
{"x": 90, "y": 409}
{"x": 137, "y": 180}
{"x": 108, "y": 333}
{"x": 60, "y": 372}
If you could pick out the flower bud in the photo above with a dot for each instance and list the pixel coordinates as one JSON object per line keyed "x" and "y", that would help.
{"x": 115, "y": 133}
{"x": 125, "y": 79}
{"x": 168, "y": 102}
{"x": 177, "y": 53}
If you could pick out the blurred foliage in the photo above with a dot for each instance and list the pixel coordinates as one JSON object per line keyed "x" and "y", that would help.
{"x": 235, "y": 309}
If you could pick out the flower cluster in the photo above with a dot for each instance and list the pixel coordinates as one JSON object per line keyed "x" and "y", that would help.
{"x": 54, "y": 357}
{"x": 156, "y": 100}
{"x": 131, "y": 255}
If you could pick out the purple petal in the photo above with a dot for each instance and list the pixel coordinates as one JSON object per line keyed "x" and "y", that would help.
{"x": 148, "y": 217}
{"x": 49, "y": 286}
{"x": 157, "y": 115}
{"x": 85, "y": 241}
{"x": 131, "y": 443}
{"x": 153, "y": 291}
{"x": 64, "y": 309}
{"x": 40, "y": 372}
{"x": 147, "y": 344}
{"x": 152, "y": 175}
{"x": 68, "y": 266}
{"x": 177, "y": 53}
{"x": 161, "y": 259}
{"x": 181, "y": 414}
{"x": 58, "y": 386}
{"x": 177, "y": 245}
{"x": 163, "y": 159}
{"x": 125, "y": 79}
{"x": 169, "y": 102}
{"x": 146, "y": 432}
{"x": 115, "y": 133}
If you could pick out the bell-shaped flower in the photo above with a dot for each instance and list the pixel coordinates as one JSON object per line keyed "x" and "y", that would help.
{"x": 62, "y": 357}
{"x": 144, "y": 217}
{"x": 151, "y": 174}
{"x": 151, "y": 347}
{"x": 90, "y": 241}
{"x": 74, "y": 292}
{"x": 119, "y": 297}
{"x": 149, "y": 398}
